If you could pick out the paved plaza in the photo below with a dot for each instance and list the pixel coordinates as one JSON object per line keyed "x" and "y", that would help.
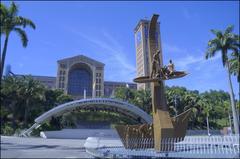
{"x": 17, "y": 147}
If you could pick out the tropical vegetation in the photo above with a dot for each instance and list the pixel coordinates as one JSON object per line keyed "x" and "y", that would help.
{"x": 11, "y": 22}
{"x": 23, "y": 99}
{"x": 227, "y": 43}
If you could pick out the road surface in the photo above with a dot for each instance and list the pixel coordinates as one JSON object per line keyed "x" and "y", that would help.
{"x": 18, "y": 147}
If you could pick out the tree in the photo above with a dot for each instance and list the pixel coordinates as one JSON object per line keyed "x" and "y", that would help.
{"x": 207, "y": 107}
{"x": 143, "y": 100}
{"x": 23, "y": 99}
{"x": 10, "y": 100}
{"x": 125, "y": 94}
{"x": 11, "y": 22}
{"x": 223, "y": 42}
{"x": 234, "y": 65}
{"x": 31, "y": 92}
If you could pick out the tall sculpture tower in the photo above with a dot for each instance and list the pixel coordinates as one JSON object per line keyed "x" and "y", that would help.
{"x": 141, "y": 33}
{"x": 163, "y": 126}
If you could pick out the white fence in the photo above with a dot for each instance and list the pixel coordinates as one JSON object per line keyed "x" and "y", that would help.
{"x": 189, "y": 147}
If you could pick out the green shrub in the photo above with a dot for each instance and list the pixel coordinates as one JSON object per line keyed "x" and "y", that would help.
{"x": 7, "y": 130}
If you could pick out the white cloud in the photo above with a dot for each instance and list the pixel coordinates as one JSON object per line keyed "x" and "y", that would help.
{"x": 188, "y": 60}
{"x": 185, "y": 62}
{"x": 183, "y": 59}
{"x": 115, "y": 56}
{"x": 173, "y": 48}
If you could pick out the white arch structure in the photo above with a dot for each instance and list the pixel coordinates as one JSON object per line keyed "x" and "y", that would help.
{"x": 122, "y": 107}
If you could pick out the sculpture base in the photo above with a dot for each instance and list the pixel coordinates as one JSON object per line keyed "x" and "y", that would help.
{"x": 163, "y": 128}
{"x": 142, "y": 136}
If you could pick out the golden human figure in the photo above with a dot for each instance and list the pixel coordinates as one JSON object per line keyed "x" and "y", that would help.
{"x": 155, "y": 65}
{"x": 171, "y": 68}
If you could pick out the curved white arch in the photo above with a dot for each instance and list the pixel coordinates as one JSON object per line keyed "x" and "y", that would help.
{"x": 96, "y": 103}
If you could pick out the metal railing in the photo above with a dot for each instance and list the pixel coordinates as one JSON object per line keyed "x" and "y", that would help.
{"x": 188, "y": 147}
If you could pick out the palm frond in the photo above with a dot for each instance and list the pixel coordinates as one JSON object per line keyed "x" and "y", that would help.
{"x": 13, "y": 9}
{"x": 229, "y": 29}
{"x": 235, "y": 49}
{"x": 234, "y": 63}
{"x": 3, "y": 15}
{"x": 20, "y": 21}
{"x": 211, "y": 51}
{"x": 23, "y": 36}
{"x": 3, "y": 10}
{"x": 214, "y": 42}
{"x": 236, "y": 37}
{"x": 217, "y": 33}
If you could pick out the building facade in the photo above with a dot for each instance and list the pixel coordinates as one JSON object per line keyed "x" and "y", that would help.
{"x": 80, "y": 75}
{"x": 47, "y": 81}
{"x": 141, "y": 32}
{"x": 110, "y": 86}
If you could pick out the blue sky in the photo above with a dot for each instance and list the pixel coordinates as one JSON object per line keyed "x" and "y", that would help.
{"x": 104, "y": 31}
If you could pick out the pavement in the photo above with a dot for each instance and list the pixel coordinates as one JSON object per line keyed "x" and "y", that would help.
{"x": 19, "y": 147}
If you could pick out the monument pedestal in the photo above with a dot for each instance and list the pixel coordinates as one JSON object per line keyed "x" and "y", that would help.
{"x": 163, "y": 129}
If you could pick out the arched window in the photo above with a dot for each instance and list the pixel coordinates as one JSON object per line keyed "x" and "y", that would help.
{"x": 80, "y": 78}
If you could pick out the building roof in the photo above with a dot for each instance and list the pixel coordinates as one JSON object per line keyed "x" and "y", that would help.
{"x": 83, "y": 58}
{"x": 140, "y": 22}
{"x": 35, "y": 76}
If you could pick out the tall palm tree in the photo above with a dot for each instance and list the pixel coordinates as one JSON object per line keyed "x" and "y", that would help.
{"x": 234, "y": 65}
{"x": 223, "y": 42}
{"x": 11, "y": 22}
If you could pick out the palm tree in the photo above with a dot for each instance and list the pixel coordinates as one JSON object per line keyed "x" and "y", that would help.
{"x": 223, "y": 42}
{"x": 30, "y": 91}
{"x": 11, "y": 22}
{"x": 234, "y": 65}
{"x": 206, "y": 110}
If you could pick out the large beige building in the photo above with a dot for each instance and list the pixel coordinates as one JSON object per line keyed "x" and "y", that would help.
{"x": 80, "y": 74}
{"x": 142, "y": 50}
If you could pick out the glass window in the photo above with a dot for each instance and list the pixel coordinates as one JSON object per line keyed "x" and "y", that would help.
{"x": 80, "y": 79}
{"x": 62, "y": 65}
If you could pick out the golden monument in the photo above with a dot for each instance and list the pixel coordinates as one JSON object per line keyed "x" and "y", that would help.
{"x": 163, "y": 125}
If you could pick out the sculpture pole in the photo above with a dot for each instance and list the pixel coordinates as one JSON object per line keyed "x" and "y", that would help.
{"x": 162, "y": 124}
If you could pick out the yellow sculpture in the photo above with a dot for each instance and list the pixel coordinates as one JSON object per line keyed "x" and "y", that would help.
{"x": 163, "y": 125}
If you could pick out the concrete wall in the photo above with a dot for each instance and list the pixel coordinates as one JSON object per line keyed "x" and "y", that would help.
{"x": 79, "y": 133}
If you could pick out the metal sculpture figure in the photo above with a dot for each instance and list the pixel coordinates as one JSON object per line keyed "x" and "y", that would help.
{"x": 163, "y": 125}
